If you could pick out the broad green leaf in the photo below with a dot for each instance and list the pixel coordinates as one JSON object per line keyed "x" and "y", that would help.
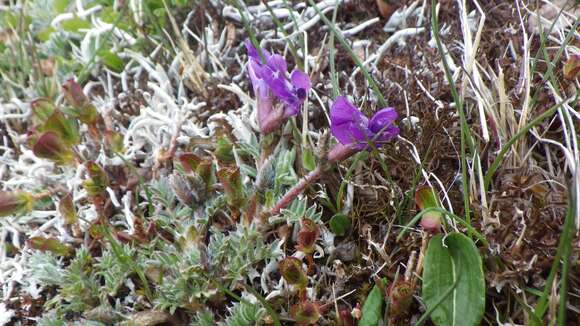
{"x": 339, "y": 224}
{"x": 60, "y": 5}
{"x": 373, "y": 307}
{"x": 454, "y": 264}
{"x": 111, "y": 60}
{"x": 308, "y": 161}
{"x": 44, "y": 34}
{"x": 75, "y": 24}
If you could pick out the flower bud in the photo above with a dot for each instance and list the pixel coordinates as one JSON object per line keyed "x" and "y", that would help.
{"x": 307, "y": 236}
{"x": 15, "y": 203}
{"x": 305, "y": 313}
{"x": 189, "y": 161}
{"x": 50, "y": 146}
{"x": 426, "y": 198}
{"x": 84, "y": 110}
{"x": 199, "y": 167}
{"x": 292, "y": 272}
{"x": 182, "y": 189}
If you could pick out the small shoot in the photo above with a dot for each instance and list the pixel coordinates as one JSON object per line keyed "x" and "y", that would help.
{"x": 425, "y": 197}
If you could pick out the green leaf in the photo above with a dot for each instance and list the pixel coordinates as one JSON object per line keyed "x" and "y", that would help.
{"x": 456, "y": 264}
{"x": 339, "y": 224}
{"x": 50, "y": 244}
{"x": 111, "y": 60}
{"x": 75, "y": 24}
{"x": 59, "y": 6}
{"x": 308, "y": 161}
{"x": 44, "y": 34}
{"x": 373, "y": 307}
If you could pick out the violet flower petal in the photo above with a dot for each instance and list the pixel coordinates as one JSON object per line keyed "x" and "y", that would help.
{"x": 382, "y": 119}
{"x": 342, "y": 111}
{"x": 300, "y": 80}
{"x": 351, "y": 134}
{"x": 351, "y": 127}
{"x": 348, "y": 124}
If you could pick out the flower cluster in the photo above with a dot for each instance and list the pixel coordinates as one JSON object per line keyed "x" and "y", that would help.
{"x": 280, "y": 96}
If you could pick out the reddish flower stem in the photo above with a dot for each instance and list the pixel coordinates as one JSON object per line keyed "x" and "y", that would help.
{"x": 297, "y": 190}
{"x": 338, "y": 153}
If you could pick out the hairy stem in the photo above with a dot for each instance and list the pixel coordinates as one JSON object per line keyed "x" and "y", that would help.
{"x": 297, "y": 190}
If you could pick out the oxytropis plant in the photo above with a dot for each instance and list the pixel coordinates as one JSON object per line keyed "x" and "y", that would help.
{"x": 194, "y": 224}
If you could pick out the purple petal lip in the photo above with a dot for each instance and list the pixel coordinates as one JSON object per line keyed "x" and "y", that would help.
{"x": 351, "y": 127}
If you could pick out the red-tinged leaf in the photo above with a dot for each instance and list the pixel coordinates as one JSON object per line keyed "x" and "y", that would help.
{"x": 15, "y": 203}
{"x": 50, "y": 146}
{"x": 231, "y": 180}
{"x": 66, "y": 128}
{"x": 114, "y": 141}
{"x": 67, "y": 209}
{"x": 84, "y": 110}
{"x": 51, "y": 245}
{"x": 572, "y": 67}
{"x": 189, "y": 161}
{"x": 42, "y": 109}
{"x": 292, "y": 271}
{"x": 305, "y": 313}
{"x": 307, "y": 236}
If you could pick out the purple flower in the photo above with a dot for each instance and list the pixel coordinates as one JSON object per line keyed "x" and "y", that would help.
{"x": 278, "y": 96}
{"x": 354, "y": 130}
